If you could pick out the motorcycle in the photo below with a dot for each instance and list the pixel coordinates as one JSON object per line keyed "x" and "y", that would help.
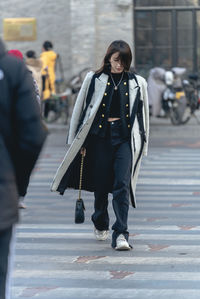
{"x": 192, "y": 90}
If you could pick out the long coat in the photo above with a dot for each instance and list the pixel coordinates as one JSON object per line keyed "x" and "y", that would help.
{"x": 35, "y": 66}
{"x": 22, "y": 134}
{"x": 67, "y": 175}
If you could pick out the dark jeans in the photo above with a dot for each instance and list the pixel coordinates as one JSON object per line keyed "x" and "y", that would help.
{"x": 113, "y": 159}
{"x": 5, "y": 240}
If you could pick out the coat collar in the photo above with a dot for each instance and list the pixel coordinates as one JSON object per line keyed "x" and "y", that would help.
{"x": 133, "y": 82}
{"x": 103, "y": 78}
{"x": 131, "y": 77}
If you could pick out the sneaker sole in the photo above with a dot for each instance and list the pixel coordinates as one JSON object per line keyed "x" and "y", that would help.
{"x": 21, "y": 207}
{"x": 123, "y": 248}
{"x": 101, "y": 239}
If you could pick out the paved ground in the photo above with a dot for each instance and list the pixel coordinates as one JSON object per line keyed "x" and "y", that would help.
{"x": 163, "y": 134}
{"x": 57, "y": 259}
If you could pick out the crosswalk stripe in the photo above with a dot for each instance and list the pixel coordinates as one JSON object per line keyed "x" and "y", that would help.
{"x": 99, "y": 275}
{"x": 111, "y": 293}
{"x": 84, "y": 235}
{"x": 133, "y": 260}
{"x": 57, "y": 259}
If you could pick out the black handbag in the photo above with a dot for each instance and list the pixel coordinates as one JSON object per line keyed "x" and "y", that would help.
{"x": 80, "y": 207}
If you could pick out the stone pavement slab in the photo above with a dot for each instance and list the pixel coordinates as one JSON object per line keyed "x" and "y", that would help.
{"x": 57, "y": 259}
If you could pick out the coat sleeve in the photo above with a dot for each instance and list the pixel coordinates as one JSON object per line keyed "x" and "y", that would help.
{"x": 146, "y": 115}
{"x": 30, "y": 132}
{"x": 78, "y": 107}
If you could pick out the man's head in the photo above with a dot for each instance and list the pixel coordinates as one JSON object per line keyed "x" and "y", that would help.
{"x": 30, "y": 54}
{"x": 47, "y": 45}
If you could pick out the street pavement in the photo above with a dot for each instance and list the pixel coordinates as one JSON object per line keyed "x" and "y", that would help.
{"x": 57, "y": 259}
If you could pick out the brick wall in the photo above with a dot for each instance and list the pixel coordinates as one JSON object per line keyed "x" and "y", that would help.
{"x": 80, "y": 30}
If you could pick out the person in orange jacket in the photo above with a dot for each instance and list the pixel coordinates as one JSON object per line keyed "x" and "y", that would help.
{"x": 48, "y": 57}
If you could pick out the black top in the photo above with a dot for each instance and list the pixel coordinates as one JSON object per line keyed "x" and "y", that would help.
{"x": 120, "y": 107}
{"x": 115, "y": 103}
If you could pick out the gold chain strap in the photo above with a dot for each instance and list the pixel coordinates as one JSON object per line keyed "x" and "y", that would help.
{"x": 81, "y": 176}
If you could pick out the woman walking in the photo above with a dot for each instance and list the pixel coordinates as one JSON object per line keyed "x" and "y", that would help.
{"x": 110, "y": 125}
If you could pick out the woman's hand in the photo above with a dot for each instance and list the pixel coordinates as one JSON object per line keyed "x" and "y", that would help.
{"x": 83, "y": 151}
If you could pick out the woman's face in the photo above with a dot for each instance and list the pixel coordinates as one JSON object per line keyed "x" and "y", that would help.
{"x": 116, "y": 66}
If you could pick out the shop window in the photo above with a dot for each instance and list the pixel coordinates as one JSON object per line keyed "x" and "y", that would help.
{"x": 185, "y": 43}
{"x": 186, "y": 2}
{"x": 161, "y": 3}
{"x": 153, "y": 2}
{"x": 198, "y": 39}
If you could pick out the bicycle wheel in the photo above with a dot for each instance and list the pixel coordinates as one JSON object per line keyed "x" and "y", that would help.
{"x": 175, "y": 116}
{"x": 54, "y": 110}
{"x": 186, "y": 116}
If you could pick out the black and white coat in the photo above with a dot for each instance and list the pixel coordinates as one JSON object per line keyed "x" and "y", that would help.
{"x": 67, "y": 175}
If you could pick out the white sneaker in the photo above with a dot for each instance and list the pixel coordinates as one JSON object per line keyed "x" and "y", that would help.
{"x": 121, "y": 243}
{"x": 101, "y": 235}
{"x": 21, "y": 205}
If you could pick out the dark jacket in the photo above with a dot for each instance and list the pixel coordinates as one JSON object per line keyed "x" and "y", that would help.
{"x": 100, "y": 122}
{"x": 22, "y": 134}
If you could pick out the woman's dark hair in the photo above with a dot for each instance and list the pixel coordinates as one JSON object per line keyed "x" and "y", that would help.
{"x": 47, "y": 45}
{"x": 125, "y": 56}
{"x": 30, "y": 54}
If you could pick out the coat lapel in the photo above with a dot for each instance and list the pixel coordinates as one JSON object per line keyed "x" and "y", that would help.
{"x": 100, "y": 86}
{"x": 133, "y": 89}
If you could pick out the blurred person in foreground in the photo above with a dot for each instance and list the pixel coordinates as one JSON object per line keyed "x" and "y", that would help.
{"x": 48, "y": 57}
{"x": 18, "y": 54}
{"x": 36, "y": 73}
{"x": 22, "y": 135}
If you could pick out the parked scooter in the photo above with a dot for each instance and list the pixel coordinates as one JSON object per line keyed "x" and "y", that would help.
{"x": 192, "y": 91}
{"x": 174, "y": 101}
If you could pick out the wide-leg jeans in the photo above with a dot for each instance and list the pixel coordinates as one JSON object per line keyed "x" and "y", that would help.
{"x": 113, "y": 160}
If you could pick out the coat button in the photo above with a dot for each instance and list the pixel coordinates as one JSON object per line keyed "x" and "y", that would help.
{"x": 108, "y": 83}
{"x": 126, "y": 93}
{"x": 127, "y": 115}
{"x": 102, "y": 115}
{"x": 100, "y": 126}
{"x": 129, "y": 126}
{"x": 126, "y": 105}
{"x": 105, "y": 94}
{"x": 125, "y": 83}
{"x": 104, "y": 105}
